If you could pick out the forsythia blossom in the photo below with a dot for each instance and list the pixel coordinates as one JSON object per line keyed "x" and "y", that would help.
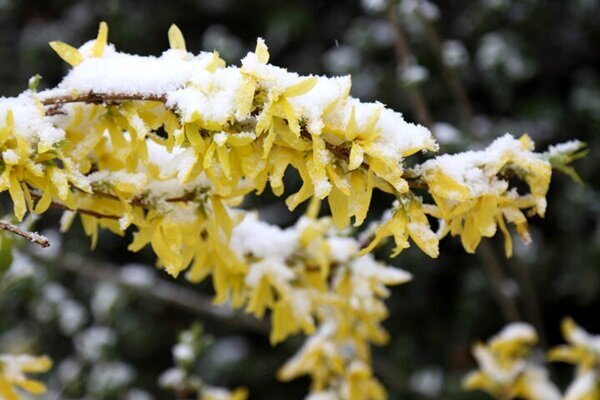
{"x": 12, "y": 374}
{"x": 506, "y": 371}
{"x": 168, "y": 146}
{"x": 583, "y": 350}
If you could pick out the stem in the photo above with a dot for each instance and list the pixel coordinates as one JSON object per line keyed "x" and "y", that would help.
{"x": 162, "y": 290}
{"x": 33, "y": 237}
{"x": 465, "y": 110}
{"x": 530, "y": 300}
{"x": 404, "y": 60}
{"x": 497, "y": 278}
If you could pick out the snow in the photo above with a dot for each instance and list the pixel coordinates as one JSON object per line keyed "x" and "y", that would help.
{"x": 414, "y": 75}
{"x": 476, "y": 169}
{"x": 564, "y": 148}
{"x": 117, "y": 72}
{"x": 212, "y": 97}
{"x": 10, "y": 156}
{"x": 116, "y": 178}
{"x": 275, "y": 270}
{"x": 583, "y": 385}
{"x": 29, "y": 121}
{"x": 517, "y": 331}
{"x": 183, "y": 352}
{"x": 446, "y": 133}
{"x": 454, "y": 53}
{"x": 313, "y": 103}
{"x": 366, "y": 267}
{"x": 262, "y": 240}
{"x": 342, "y": 248}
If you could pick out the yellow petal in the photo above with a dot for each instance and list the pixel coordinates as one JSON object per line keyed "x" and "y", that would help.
{"x": 470, "y": 236}
{"x": 45, "y": 201}
{"x": 6, "y": 390}
{"x": 176, "y": 40}
{"x": 101, "y": 40}
{"x": 8, "y": 128}
{"x": 361, "y": 190}
{"x": 221, "y": 215}
{"x": 67, "y": 52}
{"x": 356, "y": 157}
{"x": 223, "y": 155}
{"x": 32, "y": 386}
{"x": 301, "y": 87}
{"x": 262, "y": 52}
{"x": 291, "y": 117}
{"x": 18, "y": 198}
{"x": 245, "y": 97}
{"x": 352, "y": 130}
{"x": 338, "y": 204}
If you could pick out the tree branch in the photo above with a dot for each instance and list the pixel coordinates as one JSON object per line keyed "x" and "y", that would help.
{"x": 33, "y": 237}
{"x": 465, "y": 110}
{"x": 172, "y": 293}
{"x": 404, "y": 59}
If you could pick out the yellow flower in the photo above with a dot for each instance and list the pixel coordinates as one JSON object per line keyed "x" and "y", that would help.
{"x": 505, "y": 369}
{"x": 407, "y": 220}
{"x": 583, "y": 349}
{"x": 12, "y": 373}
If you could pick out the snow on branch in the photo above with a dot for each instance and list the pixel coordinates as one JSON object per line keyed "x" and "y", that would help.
{"x": 168, "y": 146}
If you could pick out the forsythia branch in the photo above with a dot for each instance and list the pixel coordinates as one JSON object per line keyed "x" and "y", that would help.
{"x": 33, "y": 237}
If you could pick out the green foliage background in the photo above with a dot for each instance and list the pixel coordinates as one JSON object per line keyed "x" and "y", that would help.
{"x": 529, "y": 66}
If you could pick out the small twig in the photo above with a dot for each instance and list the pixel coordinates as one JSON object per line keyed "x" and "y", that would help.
{"x": 465, "y": 109}
{"x": 495, "y": 273}
{"x": 404, "y": 59}
{"x": 33, "y": 237}
{"x": 530, "y": 299}
{"x": 61, "y": 206}
{"x": 160, "y": 289}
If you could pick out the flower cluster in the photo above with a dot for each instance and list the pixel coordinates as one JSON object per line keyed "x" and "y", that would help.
{"x": 169, "y": 146}
{"x": 12, "y": 374}
{"x": 507, "y": 369}
{"x": 583, "y": 351}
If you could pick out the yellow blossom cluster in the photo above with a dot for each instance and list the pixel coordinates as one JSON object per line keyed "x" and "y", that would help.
{"x": 507, "y": 370}
{"x": 314, "y": 280}
{"x": 582, "y": 350}
{"x": 167, "y": 146}
{"x": 13, "y": 370}
{"x": 506, "y": 367}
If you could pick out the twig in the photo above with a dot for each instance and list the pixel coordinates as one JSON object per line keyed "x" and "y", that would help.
{"x": 419, "y": 105}
{"x": 465, "y": 110}
{"x": 61, "y": 206}
{"x": 33, "y": 237}
{"x": 530, "y": 300}
{"x": 181, "y": 296}
{"x": 404, "y": 59}
{"x": 160, "y": 289}
{"x": 494, "y": 270}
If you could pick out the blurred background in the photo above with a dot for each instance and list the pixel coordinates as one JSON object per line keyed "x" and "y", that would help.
{"x": 469, "y": 69}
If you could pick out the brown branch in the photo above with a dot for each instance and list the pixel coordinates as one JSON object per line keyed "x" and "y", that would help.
{"x": 61, "y": 206}
{"x": 419, "y": 106}
{"x": 99, "y": 98}
{"x": 465, "y": 110}
{"x": 160, "y": 289}
{"x": 56, "y": 102}
{"x": 33, "y": 237}
{"x": 404, "y": 59}
{"x": 507, "y": 304}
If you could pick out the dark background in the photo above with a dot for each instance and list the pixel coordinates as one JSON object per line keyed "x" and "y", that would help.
{"x": 526, "y": 66}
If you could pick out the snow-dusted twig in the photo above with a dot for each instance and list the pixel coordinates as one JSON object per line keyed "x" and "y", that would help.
{"x": 33, "y": 237}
